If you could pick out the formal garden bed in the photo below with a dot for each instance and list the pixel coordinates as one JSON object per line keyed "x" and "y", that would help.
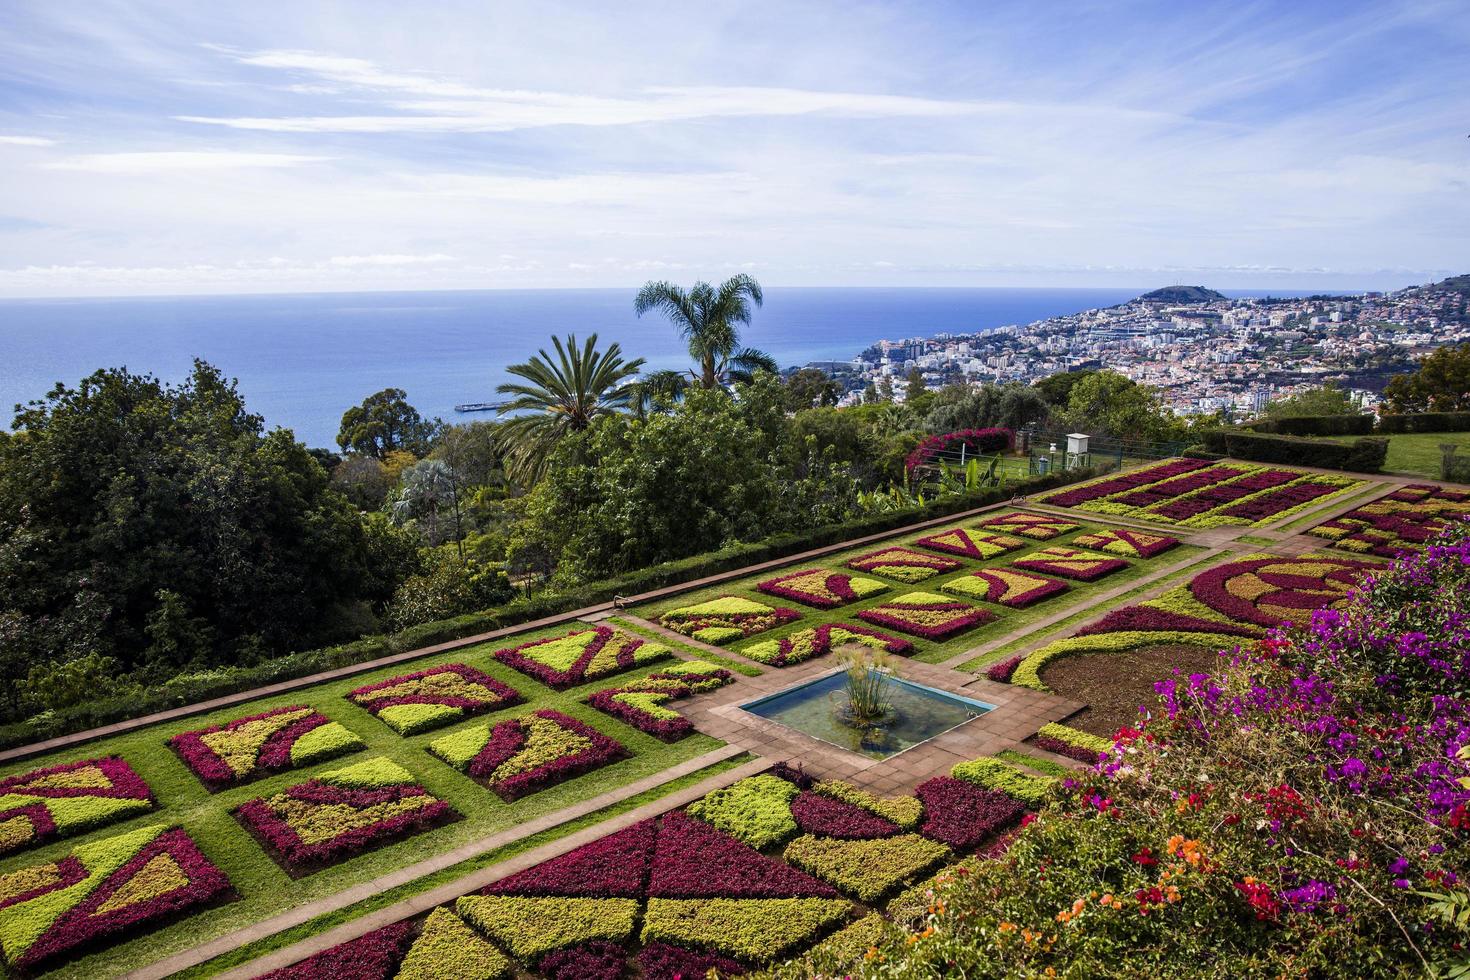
{"x": 55, "y": 801}
{"x": 1195, "y": 493}
{"x": 1396, "y": 524}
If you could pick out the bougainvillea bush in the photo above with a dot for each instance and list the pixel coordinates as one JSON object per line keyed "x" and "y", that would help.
{"x": 1195, "y": 493}
{"x": 1399, "y": 523}
{"x": 525, "y": 755}
{"x": 1302, "y": 810}
{"x": 433, "y": 698}
{"x": 726, "y": 618}
{"x": 947, "y": 445}
{"x": 247, "y": 748}
{"x": 904, "y": 564}
{"x": 102, "y": 891}
{"x": 969, "y": 542}
{"x": 934, "y": 617}
{"x": 819, "y": 640}
{"x": 820, "y": 588}
{"x": 582, "y": 655}
{"x": 644, "y": 703}
{"x": 342, "y": 813}
{"x": 1069, "y": 563}
{"x": 61, "y": 801}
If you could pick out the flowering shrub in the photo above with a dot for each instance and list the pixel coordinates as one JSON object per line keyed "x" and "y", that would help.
{"x": 808, "y": 643}
{"x": 582, "y": 655}
{"x": 991, "y": 773}
{"x": 829, "y": 817}
{"x": 866, "y": 869}
{"x": 975, "y": 442}
{"x": 755, "y": 811}
{"x": 971, "y": 543}
{"x": 1123, "y": 541}
{"x": 101, "y": 891}
{"x": 1400, "y": 523}
{"x": 928, "y": 615}
{"x": 1006, "y": 586}
{"x": 962, "y": 815}
{"x": 726, "y": 618}
{"x": 642, "y": 703}
{"x": 820, "y": 588}
{"x": 904, "y": 564}
{"x": 1070, "y": 563}
{"x": 1040, "y": 527}
{"x": 525, "y": 755}
{"x": 61, "y": 801}
{"x": 258, "y": 745}
{"x": 432, "y": 698}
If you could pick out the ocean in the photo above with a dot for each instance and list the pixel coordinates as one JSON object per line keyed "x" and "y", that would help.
{"x": 303, "y": 359}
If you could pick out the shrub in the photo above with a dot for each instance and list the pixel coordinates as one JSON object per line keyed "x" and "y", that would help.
{"x": 529, "y": 928}
{"x": 902, "y": 810}
{"x": 597, "y": 960}
{"x": 432, "y": 698}
{"x": 615, "y": 866}
{"x": 1424, "y": 422}
{"x": 368, "y": 957}
{"x": 660, "y": 961}
{"x": 693, "y": 860}
{"x": 963, "y": 815}
{"x": 582, "y": 655}
{"x": 866, "y": 869}
{"x": 1364, "y": 455}
{"x": 758, "y": 930}
{"x": 974, "y": 441}
{"x": 755, "y": 811}
{"x": 1316, "y": 425}
{"x": 830, "y": 817}
{"x": 995, "y": 774}
{"x": 447, "y": 949}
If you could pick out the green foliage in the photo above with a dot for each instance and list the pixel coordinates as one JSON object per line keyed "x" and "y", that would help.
{"x": 1425, "y": 422}
{"x": 71, "y": 682}
{"x": 1057, "y": 388}
{"x": 835, "y": 955}
{"x": 447, "y": 949}
{"x": 373, "y": 773}
{"x": 384, "y": 422}
{"x": 324, "y": 742}
{"x": 755, "y": 811}
{"x": 959, "y": 406}
{"x": 1442, "y": 384}
{"x": 1047, "y": 766}
{"x": 1364, "y": 455}
{"x": 999, "y": 775}
{"x": 902, "y": 810}
{"x": 756, "y": 929}
{"x": 1329, "y": 399}
{"x": 411, "y": 719}
{"x": 708, "y": 318}
{"x": 1350, "y": 424}
{"x": 1109, "y": 403}
{"x": 532, "y": 927}
{"x": 866, "y": 869}
{"x": 811, "y": 388}
{"x": 452, "y": 586}
{"x": 1073, "y": 736}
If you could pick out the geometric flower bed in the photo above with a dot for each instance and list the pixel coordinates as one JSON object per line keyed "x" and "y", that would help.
{"x": 641, "y": 703}
{"x": 1069, "y": 563}
{"x": 1006, "y": 586}
{"x": 1196, "y": 493}
{"x": 525, "y": 755}
{"x": 248, "y": 748}
{"x": 341, "y": 814}
{"x": 42, "y": 805}
{"x": 726, "y": 618}
{"x": 818, "y": 640}
{"x": 431, "y": 698}
{"x": 1398, "y": 523}
{"x": 904, "y": 564}
{"x": 1122, "y": 541}
{"x": 1041, "y": 527}
{"x": 963, "y": 815}
{"x": 582, "y": 655}
{"x": 866, "y": 869}
{"x": 820, "y": 588}
{"x": 444, "y": 947}
{"x": 103, "y": 889}
{"x": 971, "y": 543}
{"x": 1219, "y": 607}
{"x": 928, "y": 615}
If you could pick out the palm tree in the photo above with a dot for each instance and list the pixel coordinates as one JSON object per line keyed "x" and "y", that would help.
{"x": 658, "y": 391}
{"x": 562, "y": 396}
{"x": 707, "y": 317}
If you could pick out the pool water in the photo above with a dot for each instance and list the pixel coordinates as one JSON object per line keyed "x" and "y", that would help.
{"x": 922, "y": 713}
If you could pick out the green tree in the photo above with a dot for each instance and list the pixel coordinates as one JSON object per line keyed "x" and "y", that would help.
{"x": 385, "y": 421}
{"x": 428, "y": 494}
{"x": 363, "y": 480}
{"x": 560, "y": 396}
{"x": 915, "y": 388}
{"x": 811, "y": 388}
{"x": 1107, "y": 403}
{"x": 1326, "y": 400}
{"x": 658, "y": 391}
{"x": 708, "y": 318}
{"x": 1442, "y": 384}
{"x": 1057, "y": 388}
{"x": 123, "y": 497}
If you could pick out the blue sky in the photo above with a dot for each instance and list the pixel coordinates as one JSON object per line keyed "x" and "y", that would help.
{"x": 173, "y": 147}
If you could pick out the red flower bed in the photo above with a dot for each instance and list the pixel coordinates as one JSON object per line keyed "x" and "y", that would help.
{"x": 962, "y": 814}
{"x": 374, "y": 956}
{"x": 1070, "y": 563}
{"x": 693, "y": 860}
{"x": 456, "y": 689}
{"x": 661, "y": 961}
{"x": 1001, "y": 670}
{"x": 605, "y": 650}
{"x": 640, "y": 703}
{"x": 594, "y": 960}
{"x": 975, "y": 441}
{"x": 509, "y": 738}
{"x": 273, "y": 754}
{"x": 1121, "y": 484}
{"x": 1078, "y": 752}
{"x": 68, "y": 799}
{"x": 930, "y": 616}
{"x": 819, "y": 588}
{"x": 818, "y": 814}
{"x": 614, "y": 866}
{"x": 1170, "y": 489}
{"x": 1398, "y": 524}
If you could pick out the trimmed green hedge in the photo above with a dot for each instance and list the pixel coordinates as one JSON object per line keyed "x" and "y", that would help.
{"x": 1425, "y": 422}
{"x": 192, "y": 688}
{"x": 1317, "y": 425}
{"x": 1364, "y": 455}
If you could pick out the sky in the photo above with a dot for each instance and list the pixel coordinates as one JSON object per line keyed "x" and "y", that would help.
{"x": 186, "y": 147}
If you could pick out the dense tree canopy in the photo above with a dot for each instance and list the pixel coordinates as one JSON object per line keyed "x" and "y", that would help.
{"x": 383, "y": 423}
{"x": 1329, "y": 399}
{"x": 1442, "y": 384}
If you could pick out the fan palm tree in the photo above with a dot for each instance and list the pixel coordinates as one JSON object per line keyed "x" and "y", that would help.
{"x": 707, "y": 317}
{"x": 561, "y": 396}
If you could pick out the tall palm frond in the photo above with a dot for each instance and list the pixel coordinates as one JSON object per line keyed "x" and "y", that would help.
{"x": 561, "y": 396}
{"x": 658, "y": 390}
{"x": 707, "y": 317}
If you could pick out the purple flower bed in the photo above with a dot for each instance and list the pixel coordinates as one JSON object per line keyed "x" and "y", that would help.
{"x": 503, "y": 694}
{"x": 1148, "y": 620}
{"x": 508, "y": 737}
{"x": 614, "y": 866}
{"x": 273, "y": 756}
{"x": 962, "y": 814}
{"x": 1091, "y": 568}
{"x": 625, "y": 657}
{"x": 661, "y": 961}
{"x": 693, "y": 860}
{"x": 372, "y": 957}
{"x": 1170, "y": 489}
{"x": 595, "y": 960}
{"x": 1121, "y": 484}
{"x": 1001, "y": 670}
{"x": 817, "y": 814}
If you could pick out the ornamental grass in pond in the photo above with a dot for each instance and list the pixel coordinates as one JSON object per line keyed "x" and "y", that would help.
{"x": 864, "y": 701}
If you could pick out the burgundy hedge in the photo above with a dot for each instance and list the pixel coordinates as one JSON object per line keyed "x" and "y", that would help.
{"x": 962, "y": 814}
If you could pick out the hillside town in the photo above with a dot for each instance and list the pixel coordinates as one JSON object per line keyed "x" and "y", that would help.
{"x": 1205, "y": 352}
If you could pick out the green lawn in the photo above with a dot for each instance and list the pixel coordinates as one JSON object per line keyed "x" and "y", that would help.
{"x": 1417, "y": 453}
{"x": 264, "y": 888}
{"x": 925, "y": 651}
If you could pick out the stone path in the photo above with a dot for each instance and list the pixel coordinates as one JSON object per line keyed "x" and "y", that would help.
{"x": 471, "y": 882}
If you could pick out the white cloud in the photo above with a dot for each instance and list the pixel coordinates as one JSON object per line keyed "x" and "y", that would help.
{"x": 353, "y": 261}
{"x": 172, "y": 161}
{"x": 26, "y": 141}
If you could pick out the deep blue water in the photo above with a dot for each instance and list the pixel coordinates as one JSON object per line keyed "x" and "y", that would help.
{"x": 303, "y": 359}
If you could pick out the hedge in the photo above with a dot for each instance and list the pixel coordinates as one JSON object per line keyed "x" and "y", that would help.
{"x": 1364, "y": 455}
{"x": 1317, "y": 425}
{"x": 191, "y": 688}
{"x": 1425, "y": 422}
